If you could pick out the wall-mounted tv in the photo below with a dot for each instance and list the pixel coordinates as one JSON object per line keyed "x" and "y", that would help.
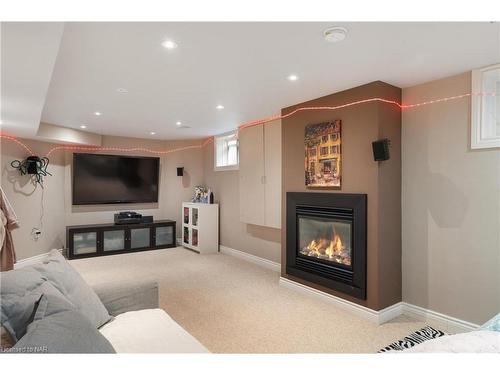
{"x": 107, "y": 179}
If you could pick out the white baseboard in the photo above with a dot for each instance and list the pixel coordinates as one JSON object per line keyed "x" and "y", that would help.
{"x": 444, "y": 322}
{"x": 269, "y": 264}
{"x": 377, "y": 317}
{"x": 32, "y": 260}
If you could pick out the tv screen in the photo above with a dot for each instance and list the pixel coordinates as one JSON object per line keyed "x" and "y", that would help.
{"x": 100, "y": 179}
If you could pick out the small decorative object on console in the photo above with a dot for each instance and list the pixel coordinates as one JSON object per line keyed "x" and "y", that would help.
{"x": 200, "y": 195}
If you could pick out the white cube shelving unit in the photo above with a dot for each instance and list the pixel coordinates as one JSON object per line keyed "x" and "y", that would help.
{"x": 200, "y": 227}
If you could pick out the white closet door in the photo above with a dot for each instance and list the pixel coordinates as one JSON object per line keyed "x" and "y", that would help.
{"x": 251, "y": 171}
{"x": 272, "y": 150}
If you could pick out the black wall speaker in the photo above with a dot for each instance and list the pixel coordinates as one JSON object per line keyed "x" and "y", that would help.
{"x": 180, "y": 171}
{"x": 381, "y": 149}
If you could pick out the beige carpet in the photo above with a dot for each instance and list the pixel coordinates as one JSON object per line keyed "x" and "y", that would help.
{"x": 233, "y": 306}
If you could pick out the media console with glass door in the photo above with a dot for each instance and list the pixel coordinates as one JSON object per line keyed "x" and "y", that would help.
{"x": 85, "y": 241}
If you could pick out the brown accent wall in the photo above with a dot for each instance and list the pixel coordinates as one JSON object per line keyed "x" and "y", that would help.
{"x": 361, "y": 124}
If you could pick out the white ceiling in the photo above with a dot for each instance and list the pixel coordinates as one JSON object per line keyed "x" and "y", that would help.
{"x": 28, "y": 55}
{"x": 242, "y": 66}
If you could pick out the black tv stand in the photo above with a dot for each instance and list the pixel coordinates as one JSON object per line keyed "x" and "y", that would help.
{"x": 84, "y": 241}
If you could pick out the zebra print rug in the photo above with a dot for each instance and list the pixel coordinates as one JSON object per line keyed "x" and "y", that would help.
{"x": 417, "y": 337}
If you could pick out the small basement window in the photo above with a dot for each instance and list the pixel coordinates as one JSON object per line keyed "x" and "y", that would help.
{"x": 485, "y": 107}
{"x": 226, "y": 153}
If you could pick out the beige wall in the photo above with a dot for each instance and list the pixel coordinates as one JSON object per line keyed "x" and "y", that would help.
{"x": 256, "y": 240}
{"x": 451, "y": 212}
{"x": 26, "y": 200}
{"x": 58, "y": 210}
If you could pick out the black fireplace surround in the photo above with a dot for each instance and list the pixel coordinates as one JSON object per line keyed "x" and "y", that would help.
{"x": 326, "y": 240}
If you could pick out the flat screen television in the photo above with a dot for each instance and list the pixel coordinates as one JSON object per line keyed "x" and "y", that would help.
{"x": 107, "y": 179}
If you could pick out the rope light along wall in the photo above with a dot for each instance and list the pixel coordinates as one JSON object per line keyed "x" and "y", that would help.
{"x": 134, "y": 149}
{"x": 246, "y": 125}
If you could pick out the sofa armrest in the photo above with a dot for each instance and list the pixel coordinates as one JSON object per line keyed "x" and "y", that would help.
{"x": 120, "y": 297}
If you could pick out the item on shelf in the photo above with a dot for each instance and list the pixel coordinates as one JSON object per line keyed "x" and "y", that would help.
{"x": 200, "y": 195}
{"x": 211, "y": 197}
{"x": 128, "y": 217}
{"x": 147, "y": 219}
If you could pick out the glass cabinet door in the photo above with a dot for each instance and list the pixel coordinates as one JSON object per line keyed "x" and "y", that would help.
{"x": 185, "y": 235}
{"x": 194, "y": 216}
{"x": 186, "y": 215}
{"x": 194, "y": 239}
{"x": 84, "y": 243}
{"x": 113, "y": 240}
{"x": 140, "y": 237}
{"x": 164, "y": 236}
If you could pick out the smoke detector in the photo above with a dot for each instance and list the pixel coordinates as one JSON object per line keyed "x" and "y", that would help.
{"x": 335, "y": 34}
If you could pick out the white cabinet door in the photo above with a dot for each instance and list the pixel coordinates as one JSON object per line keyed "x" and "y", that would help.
{"x": 252, "y": 192}
{"x": 272, "y": 151}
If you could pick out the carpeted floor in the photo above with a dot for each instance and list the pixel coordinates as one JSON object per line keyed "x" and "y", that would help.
{"x": 233, "y": 306}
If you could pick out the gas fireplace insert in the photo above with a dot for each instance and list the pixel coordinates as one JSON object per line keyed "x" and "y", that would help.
{"x": 326, "y": 240}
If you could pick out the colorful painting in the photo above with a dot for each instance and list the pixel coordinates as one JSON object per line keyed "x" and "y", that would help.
{"x": 323, "y": 155}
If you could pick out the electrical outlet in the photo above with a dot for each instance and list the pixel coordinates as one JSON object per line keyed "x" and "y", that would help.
{"x": 36, "y": 234}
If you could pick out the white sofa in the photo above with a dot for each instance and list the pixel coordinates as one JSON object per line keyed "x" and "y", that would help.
{"x": 139, "y": 325}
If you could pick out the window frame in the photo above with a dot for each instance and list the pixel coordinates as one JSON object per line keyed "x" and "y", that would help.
{"x": 231, "y": 167}
{"x": 477, "y": 125}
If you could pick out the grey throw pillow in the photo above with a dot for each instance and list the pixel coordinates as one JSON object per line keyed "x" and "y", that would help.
{"x": 57, "y": 270}
{"x": 20, "y": 290}
{"x": 59, "y": 328}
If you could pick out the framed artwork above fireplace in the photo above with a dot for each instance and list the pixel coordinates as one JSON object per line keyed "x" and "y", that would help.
{"x": 322, "y": 159}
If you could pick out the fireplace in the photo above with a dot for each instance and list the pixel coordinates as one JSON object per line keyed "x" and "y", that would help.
{"x": 326, "y": 240}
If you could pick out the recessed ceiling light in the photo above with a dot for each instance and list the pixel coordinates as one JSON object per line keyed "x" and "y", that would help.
{"x": 292, "y": 77}
{"x": 178, "y": 123}
{"x": 219, "y": 107}
{"x": 83, "y": 126}
{"x": 335, "y": 34}
{"x": 97, "y": 113}
{"x": 152, "y": 133}
{"x": 169, "y": 44}
{"x": 121, "y": 90}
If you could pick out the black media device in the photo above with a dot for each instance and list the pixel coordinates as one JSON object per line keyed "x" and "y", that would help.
{"x": 180, "y": 171}
{"x": 128, "y": 217}
{"x": 381, "y": 149}
{"x": 147, "y": 219}
{"x": 108, "y": 179}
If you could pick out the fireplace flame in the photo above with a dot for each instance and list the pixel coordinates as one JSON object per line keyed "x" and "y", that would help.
{"x": 331, "y": 249}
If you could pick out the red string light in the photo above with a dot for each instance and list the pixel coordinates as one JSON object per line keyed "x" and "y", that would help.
{"x": 246, "y": 125}
{"x": 134, "y": 149}
{"x": 382, "y": 100}
{"x": 10, "y": 138}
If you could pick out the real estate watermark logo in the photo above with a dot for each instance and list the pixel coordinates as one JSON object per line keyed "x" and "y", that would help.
{"x": 25, "y": 349}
